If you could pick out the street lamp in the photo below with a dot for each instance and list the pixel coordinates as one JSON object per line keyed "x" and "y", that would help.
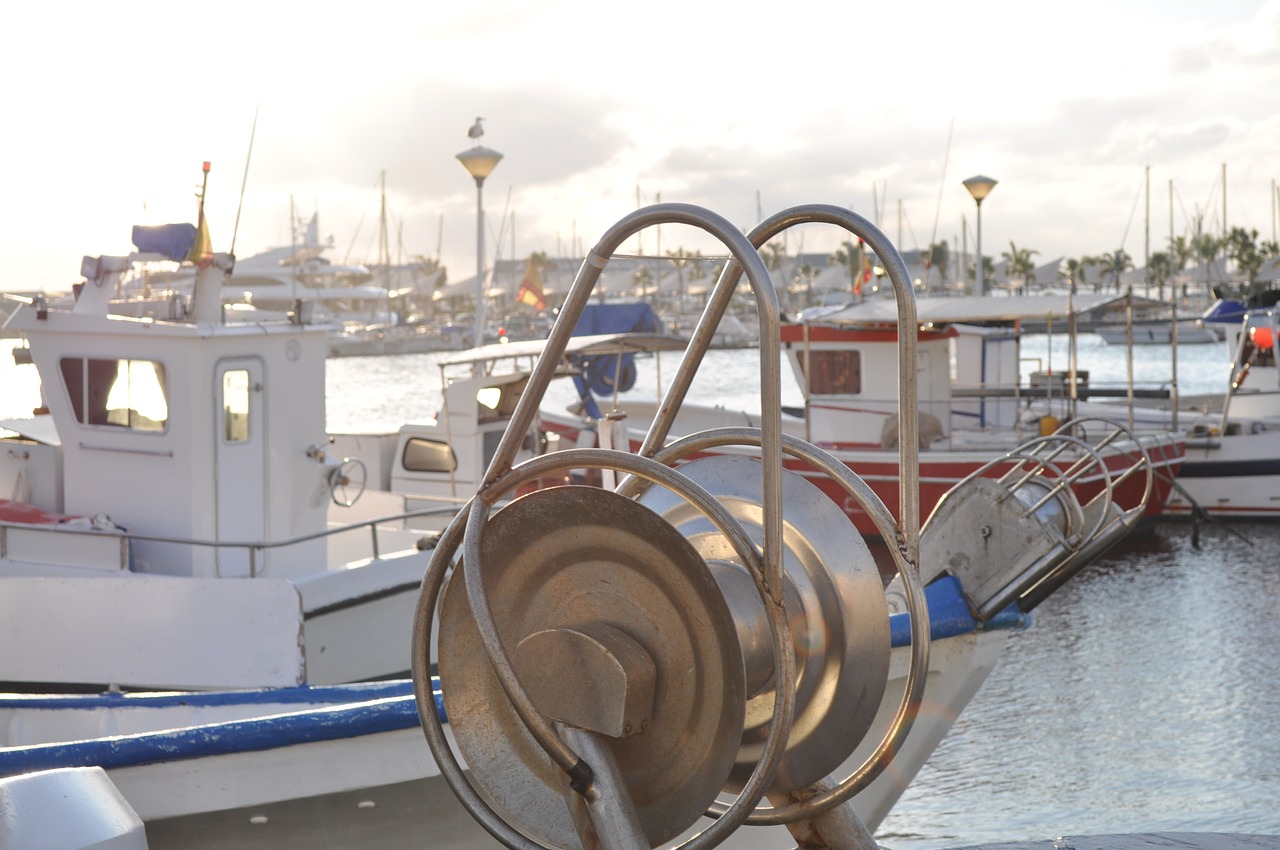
{"x": 479, "y": 162}
{"x": 980, "y": 187}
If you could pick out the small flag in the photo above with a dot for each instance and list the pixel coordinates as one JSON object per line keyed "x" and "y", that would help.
{"x": 864, "y": 269}
{"x": 531, "y": 287}
{"x": 202, "y": 251}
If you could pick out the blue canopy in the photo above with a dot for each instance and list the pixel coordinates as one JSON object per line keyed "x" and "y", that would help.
{"x": 618, "y": 319}
{"x": 609, "y": 373}
{"x": 174, "y": 241}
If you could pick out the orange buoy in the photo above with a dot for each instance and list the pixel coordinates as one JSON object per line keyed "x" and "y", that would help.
{"x": 1261, "y": 336}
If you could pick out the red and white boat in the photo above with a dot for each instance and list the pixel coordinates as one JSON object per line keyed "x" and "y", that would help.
{"x": 846, "y": 367}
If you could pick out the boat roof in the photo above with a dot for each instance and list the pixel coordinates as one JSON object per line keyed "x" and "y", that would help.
{"x": 594, "y": 345}
{"x": 979, "y": 308}
{"x": 38, "y": 428}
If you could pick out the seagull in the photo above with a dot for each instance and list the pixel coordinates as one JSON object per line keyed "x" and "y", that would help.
{"x": 476, "y": 130}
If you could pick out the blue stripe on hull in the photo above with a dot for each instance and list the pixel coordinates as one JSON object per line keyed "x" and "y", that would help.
{"x": 1229, "y": 468}
{"x": 352, "y": 710}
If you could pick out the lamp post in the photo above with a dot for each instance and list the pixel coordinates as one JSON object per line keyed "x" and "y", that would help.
{"x": 980, "y": 187}
{"x": 479, "y": 162}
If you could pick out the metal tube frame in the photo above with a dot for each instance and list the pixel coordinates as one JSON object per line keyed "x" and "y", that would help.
{"x": 466, "y": 530}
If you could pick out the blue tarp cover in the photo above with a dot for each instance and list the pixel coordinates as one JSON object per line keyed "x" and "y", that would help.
{"x": 174, "y": 241}
{"x": 618, "y": 319}
{"x": 602, "y": 375}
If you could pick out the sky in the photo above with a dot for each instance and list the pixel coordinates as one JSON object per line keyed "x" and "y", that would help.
{"x": 1081, "y": 111}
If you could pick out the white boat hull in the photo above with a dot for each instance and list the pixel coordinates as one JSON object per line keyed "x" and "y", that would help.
{"x": 362, "y": 775}
{"x": 1236, "y": 476}
{"x": 1158, "y": 333}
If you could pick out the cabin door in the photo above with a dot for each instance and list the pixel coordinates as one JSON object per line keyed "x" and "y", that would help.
{"x": 240, "y": 467}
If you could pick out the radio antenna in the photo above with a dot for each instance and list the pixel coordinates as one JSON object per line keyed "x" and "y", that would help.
{"x": 244, "y": 180}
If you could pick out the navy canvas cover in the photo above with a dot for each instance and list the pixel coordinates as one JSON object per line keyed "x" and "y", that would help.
{"x": 618, "y": 319}
{"x": 603, "y": 376}
{"x": 174, "y": 241}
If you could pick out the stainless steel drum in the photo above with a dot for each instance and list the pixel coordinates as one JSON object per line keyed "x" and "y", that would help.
{"x": 574, "y": 558}
{"x": 835, "y": 597}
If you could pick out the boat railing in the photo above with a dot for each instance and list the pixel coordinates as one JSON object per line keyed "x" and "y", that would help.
{"x": 1032, "y": 494}
{"x": 255, "y": 549}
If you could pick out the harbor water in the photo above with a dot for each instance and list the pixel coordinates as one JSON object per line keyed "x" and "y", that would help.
{"x": 1143, "y": 698}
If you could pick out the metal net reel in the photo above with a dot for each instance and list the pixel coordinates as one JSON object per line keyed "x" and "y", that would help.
{"x": 611, "y": 661}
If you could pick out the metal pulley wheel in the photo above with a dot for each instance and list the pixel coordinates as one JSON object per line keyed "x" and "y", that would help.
{"x": 585, "y": 587}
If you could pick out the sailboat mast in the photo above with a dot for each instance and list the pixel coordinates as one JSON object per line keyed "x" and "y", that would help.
{"x": 293, "y": 248}
{"x": 1224, "y": 200}
{"x": 1146, "y": 231}
{"x": 384, "y": 249}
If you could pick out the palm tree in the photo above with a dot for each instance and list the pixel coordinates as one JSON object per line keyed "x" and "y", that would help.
{"x": 988, "y": 273}
{"x": 642, "y": 278}
{"x": 805, "y": 275}
{"x": 1183, "y": 252}
{"x": 1161, "y": 267}
{"x": 854, "y": 260}
{"x": 772, "y": 255}
{"x": 1020, "y": 265}
{"x": 1207, "y": 248}
{"x": 1242, "y": 246}
{"x": 1115, "y": 265}
{"x": 938, "y": 256}
{"x": 683, "y": 259}
{"x": 1073, "y": 274}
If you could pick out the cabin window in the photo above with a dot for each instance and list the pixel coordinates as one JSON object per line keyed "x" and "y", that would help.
{"x": 235, "y": 405}
{"x": 833, "y": 372}
{"x": 422, "y": 455}
{"x": 119, "y": 393}
{"x": 492, "y": 439}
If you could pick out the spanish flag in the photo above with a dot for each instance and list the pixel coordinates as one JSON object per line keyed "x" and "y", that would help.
{"x": 202, "y": 251}
{"x": 863, "y": 274}
{"x": 531, "y": 287}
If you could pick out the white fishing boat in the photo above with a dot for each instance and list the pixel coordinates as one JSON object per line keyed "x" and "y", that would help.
{"x": 1232, "y": 467}
{"x": 1149, "y": 332}
{"x": 1232, "y": 464}
{"x": 442, "y": 460}
{"x": 177, "y": 494}
{"x": 174, "y": 537}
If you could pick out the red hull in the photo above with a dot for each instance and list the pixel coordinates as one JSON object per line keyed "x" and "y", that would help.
{"x": 938, "y": 476}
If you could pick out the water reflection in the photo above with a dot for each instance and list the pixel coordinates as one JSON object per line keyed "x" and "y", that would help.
{"x": 1143, "y": 699}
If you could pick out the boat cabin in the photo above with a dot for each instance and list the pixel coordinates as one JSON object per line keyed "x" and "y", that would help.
{"x": 190, "y": 430}
{"x": 442, "y": 461}
{"x": 849, "y": 376}
{"x": 968, "y": 366}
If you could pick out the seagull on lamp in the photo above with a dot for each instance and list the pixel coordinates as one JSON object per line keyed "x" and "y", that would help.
{"x": 476, "y": 130}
